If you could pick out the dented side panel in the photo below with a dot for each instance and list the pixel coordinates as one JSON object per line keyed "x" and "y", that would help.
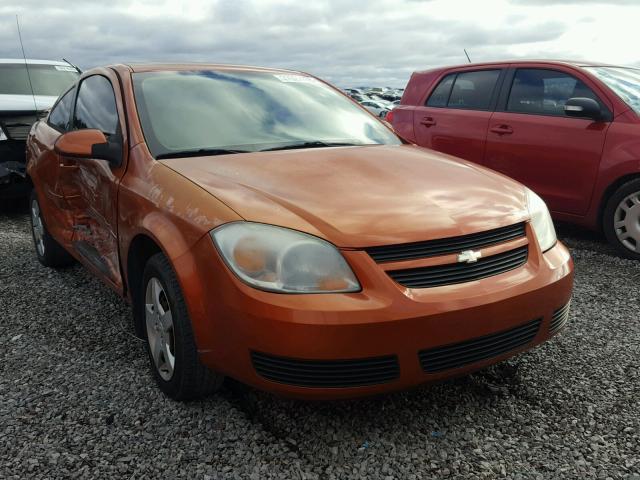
{"x": 43, "y": 166}
{"x": 89, "y": 188}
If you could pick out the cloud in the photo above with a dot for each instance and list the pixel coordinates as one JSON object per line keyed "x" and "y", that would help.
{"x": 573, "y": 2}
{"x": 348, "y": 42}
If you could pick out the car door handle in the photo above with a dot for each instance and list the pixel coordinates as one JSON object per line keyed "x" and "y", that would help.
{"x": 428, "y": 122}
{"x": 69, "y": 166}
{"x": 68, "y": 162}
{"x": 502, "y": 129}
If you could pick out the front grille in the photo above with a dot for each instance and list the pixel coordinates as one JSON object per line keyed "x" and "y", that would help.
{"x": 18, "y": 132}
{"x": 457, "y": 355}
{"x": 17, "y": 127}
{"x": 426, "y": 277}
{"x": 444, "y": 246}
{"x": 559, "y": 318}
{"x": 326, "y": 373}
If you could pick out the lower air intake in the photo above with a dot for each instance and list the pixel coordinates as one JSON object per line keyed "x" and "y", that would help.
{"x": 326, "y": 373}
{"x": 464, "y": 353}
{"x": 559, "y": 319}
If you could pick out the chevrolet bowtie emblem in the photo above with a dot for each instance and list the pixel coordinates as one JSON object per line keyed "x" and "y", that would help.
{"x": 469, "y": 256}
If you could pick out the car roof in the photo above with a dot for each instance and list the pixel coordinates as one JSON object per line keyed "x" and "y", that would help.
{"x": 573, "y": 63}
{"x": 168, "y": 67}
{"x": 31, "y": 61}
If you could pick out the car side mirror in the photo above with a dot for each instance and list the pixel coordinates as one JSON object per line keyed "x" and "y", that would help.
{"x": 90, "y": 143}
{"x": 583, "y": 108}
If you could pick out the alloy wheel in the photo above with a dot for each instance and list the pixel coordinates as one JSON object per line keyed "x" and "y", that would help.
{"x": 160, "y": 329}
{"x": 38, "y": 227}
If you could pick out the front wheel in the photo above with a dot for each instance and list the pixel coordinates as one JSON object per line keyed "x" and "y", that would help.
{"x": 171, "y": 345}
{"x": 621, "y": 220}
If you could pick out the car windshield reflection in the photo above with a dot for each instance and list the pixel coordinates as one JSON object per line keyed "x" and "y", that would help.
{"x": 193, "y": 110}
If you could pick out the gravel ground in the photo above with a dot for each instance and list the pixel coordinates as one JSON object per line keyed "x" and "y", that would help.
{"x": 77, "y": 400}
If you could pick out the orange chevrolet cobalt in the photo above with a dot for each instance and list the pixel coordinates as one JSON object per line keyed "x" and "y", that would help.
{"x": 267, "y": 228}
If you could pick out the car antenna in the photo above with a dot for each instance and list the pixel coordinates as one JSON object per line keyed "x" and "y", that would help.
{"x": 26, "y": 65}
{"x": 74, "y": 66}
{"x": 465, "y": 52}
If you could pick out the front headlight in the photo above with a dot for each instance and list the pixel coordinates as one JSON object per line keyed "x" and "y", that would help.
{"x": 541, "y": 221}
{"x": 282, "y": 260}
{"x": 2, "y": 135}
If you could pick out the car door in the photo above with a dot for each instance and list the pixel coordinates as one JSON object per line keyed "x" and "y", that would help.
{"x": 50, "y": 189}
{"x": 455, "y": 115}
{"x": 89, "y": 185}
{"x": 532, "y": 140}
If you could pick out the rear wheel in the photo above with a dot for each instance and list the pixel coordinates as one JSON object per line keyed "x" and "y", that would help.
{"x": 171, "y": 345}
{"x": 621, "y": 221}
{"x": 48, "y": 251}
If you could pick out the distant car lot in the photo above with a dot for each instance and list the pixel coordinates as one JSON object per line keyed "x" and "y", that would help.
{"x": 378, "y": 100}
{"x": 76, "y": 399}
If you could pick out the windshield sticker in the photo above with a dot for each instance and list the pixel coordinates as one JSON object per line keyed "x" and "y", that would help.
{"x": 63, "y": 68}
{"x": 290, "y": 78}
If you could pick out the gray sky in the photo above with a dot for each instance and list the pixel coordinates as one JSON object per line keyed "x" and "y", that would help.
{"x": 351, "y": 43}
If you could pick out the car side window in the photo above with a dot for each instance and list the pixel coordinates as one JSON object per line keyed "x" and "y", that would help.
{"x": 545, "y": 92}
{"x": 440, "y": 94}
{"x": 61, "y": 113}
{"x": 96, "y": 106}
{"x": 473, "y": 90}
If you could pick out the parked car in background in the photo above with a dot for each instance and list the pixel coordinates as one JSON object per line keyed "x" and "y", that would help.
{"x": 19, "y": 109}
{"x": 297, "y": 245}
{"x": 380, "y": 100}
{"x": 569, "y": 131}
{"x": 377, "y": 108}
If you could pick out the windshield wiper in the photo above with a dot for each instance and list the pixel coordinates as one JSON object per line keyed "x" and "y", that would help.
{"x": 200, "y": 152}
{"x": 313, "y": 144}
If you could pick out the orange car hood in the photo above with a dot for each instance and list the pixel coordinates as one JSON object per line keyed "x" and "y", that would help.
{"x": 360, "y": 196}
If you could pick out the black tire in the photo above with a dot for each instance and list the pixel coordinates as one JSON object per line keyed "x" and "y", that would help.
{"x": 190, "y": 379}
{"x": 49, "y": 252}
{"x": 609, "y": 219}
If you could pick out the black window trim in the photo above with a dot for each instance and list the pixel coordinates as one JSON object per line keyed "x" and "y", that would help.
{"x": 122, "y": 119}
{"x": 497, "y": 88}
{"x": 73, "y": 97}
{"x": 437, "y": 84}
{"x": 505, "y": 93}
{"x": 75, "y": 101}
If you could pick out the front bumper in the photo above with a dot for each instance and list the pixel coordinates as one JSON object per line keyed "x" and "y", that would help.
{"x": 240, "y": 330}
{"x": 13, "y": 176}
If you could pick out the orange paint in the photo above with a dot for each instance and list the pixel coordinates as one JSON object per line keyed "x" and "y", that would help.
{"x": 353, "y": 197}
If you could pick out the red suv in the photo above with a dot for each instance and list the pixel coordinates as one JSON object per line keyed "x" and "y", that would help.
{"x": 569, "y": 131}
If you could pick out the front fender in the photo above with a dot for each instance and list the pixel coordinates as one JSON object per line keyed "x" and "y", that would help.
{"x": 166, "y": 207}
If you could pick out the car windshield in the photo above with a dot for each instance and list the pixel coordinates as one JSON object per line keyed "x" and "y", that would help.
{"x": 625, "y": 82}
{"x": 211, "y": 111}
{"x": 49, "y": 80}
